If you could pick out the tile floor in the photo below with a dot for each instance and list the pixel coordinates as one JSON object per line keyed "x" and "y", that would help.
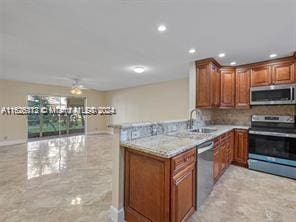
{"x": 242, "y": 195}
{"x": 69, "y": 179}
{"x": 65, "y": 179}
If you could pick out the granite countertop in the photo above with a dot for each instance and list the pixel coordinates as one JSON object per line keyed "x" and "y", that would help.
{"x": 170, "y": 144}
{"x": 131, "y": 125}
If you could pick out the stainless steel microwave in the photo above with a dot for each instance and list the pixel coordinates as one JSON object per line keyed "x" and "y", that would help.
{"x": 274, "y": 94}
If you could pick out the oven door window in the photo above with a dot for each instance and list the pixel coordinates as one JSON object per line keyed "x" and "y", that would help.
{"x": 271, "y": 95}
{"x": 280, "y": 147}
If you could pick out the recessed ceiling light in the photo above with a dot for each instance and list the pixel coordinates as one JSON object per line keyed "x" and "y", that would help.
{"x": 191, "y": 51}
{"x": 139, "y": 69}
{"x": 273, "y": 55}
{"x": 221, "y": 55}
{"x": 161, "y": 28}
{"x": 233, "y": 63}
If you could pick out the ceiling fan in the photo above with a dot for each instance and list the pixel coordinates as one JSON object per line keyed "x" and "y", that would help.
{"x": 76, "y": 88}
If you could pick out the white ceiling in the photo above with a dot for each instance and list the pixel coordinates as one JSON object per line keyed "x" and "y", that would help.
{"x": 46, "y": 41}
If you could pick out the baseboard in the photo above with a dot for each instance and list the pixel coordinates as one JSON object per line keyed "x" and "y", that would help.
{"x": 116, "y": 215}
{"x": 12, "y": 142}
{"x": 100, "y": 132}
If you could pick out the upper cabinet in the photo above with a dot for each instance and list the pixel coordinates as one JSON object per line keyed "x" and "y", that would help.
{"x": 227, "y": 87}
{"x": 203, "y": 97}
{"x": 242, "y": 85}
{"x": 207, "y": 84}
{"x": 283, "y": 73}
{"x": 215, "y": 86}
{"x": 261, "y": 76}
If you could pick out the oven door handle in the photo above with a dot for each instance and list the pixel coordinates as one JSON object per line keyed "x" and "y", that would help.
{"x": 290, "y": 135}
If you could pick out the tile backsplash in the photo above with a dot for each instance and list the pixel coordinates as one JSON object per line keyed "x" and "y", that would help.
{"x": 243, "y": 116}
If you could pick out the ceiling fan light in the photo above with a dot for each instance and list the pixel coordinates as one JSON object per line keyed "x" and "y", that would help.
{"x": 76, "y": 90}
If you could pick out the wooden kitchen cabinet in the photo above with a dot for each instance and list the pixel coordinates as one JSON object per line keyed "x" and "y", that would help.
{"x": 227, "y": 90}
{"x": 207, "y": 84}
{"x": 223, "y": 156}
{"x": 203, "y": 96}
{"x": 147, "y": 187}
{"x": 231, "y": 147}
{"x": 159, "y": 189}
{"x": 228, "y": 87}
{"x": 223, "y": 153}
{"x": 215, "y": 86}
{"x": 242, "y": 86}
{"x": 283, "y": 73}
{"x": 261, "y": 76}
{"x": 183, "y": 194}
{"x": 217, "y": 162}
{"x": 241, "y": 147}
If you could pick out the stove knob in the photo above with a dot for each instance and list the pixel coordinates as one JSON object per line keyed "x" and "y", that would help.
{"x": 290, "y": 119}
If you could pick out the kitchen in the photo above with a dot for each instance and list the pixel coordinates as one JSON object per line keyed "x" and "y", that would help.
{"x": 170, "y": 168}
{"x": 148, "y": 111}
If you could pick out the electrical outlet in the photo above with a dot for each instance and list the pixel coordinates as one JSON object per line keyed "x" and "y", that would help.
{"x": 135, "y": 134}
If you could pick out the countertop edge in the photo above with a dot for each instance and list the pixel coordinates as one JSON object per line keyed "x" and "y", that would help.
{"x": 184, "y": 148}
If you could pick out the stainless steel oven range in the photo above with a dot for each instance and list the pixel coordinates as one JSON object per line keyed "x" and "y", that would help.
{"x": 272, "y": 145}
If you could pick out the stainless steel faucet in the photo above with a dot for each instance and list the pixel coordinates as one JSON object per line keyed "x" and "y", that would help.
{"x": 198, "y": 113}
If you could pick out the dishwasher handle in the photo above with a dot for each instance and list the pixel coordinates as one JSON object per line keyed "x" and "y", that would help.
{"x": 205, "y": 147}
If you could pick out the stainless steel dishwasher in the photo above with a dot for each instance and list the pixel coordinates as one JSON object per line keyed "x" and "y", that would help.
{"x": 205, "y": 180}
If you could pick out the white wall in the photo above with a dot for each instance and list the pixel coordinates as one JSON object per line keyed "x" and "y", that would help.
{"x": 155, "y": 102}
{"x": 14, "y": 93}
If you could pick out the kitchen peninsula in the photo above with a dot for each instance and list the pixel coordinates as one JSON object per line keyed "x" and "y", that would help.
{"x": 160, "y": 166}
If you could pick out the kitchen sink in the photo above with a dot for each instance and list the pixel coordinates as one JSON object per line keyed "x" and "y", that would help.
{"x": 203, "y": 130}
{"x": 198, "y": 133}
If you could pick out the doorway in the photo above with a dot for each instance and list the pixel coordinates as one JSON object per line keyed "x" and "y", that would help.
{"x": 52, "y": 124}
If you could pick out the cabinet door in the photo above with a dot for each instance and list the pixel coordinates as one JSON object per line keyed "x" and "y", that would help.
{"x": 215, "y": 86}
{"x": 261, "y": 76}
{"x": 283, "y": 73}
{"x": 147, "y": 187}
{"x": 223, "y": 154}
{"x": 227, "y": 87}
{"x": 203, "y": 96}
{"x": 242, "y": 85}
{"x": 217, "y": 164}
{"x": 231, "y": 147}
{"x": 227, "y": 153}
{"x": 241, "y": 147}
{"x": 183, "y": 194}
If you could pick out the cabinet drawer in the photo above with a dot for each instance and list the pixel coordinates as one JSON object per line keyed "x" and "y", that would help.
{"x": 183, "y": 160}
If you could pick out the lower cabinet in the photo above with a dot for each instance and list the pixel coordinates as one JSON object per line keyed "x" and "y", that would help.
{"x": 231, "y": 147}
{"x": 241, "y": 148}
{"x": 222, "y": 151}
{"x": 217, "y": 163}
{"x": 183, "y": 194}
{"x": 159, "y": 189}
